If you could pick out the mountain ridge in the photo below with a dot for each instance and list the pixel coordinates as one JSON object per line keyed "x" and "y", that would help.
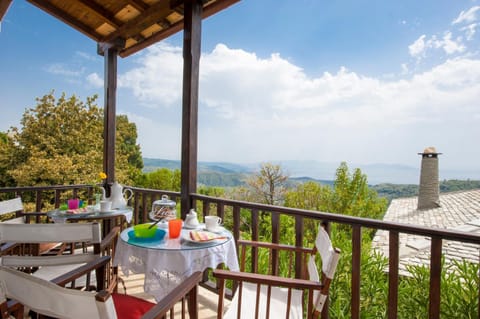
{"x": 377, "y": 173}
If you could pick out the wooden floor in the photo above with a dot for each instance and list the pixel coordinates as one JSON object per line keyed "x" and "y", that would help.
{"x": 207, "y": 300}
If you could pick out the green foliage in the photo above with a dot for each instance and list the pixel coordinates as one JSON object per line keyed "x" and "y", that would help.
{"x": 211, "y": 191}
{"x": 7, "y": 160}
{"x": 392, "y": 191}
{"x": 61, "y": 142}
{"x": 163, "y": 179}
{"x": 459, "y": 291}
{"x": 220, "y": 179}
{"x": 352, "y": 196}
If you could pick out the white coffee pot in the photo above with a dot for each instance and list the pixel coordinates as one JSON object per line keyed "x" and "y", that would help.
{"x": 118, "y": 195}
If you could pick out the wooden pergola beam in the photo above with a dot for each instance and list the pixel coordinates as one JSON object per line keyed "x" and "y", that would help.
{"x": 4, "y": 5}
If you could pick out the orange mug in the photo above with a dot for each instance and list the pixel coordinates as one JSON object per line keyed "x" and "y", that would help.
{"x": 174, "y": 228}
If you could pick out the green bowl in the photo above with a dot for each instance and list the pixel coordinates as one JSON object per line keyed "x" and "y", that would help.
{"x": 142, "y": 231}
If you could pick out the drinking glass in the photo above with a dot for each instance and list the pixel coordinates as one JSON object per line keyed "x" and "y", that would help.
{"x": 73, "y": 203}
{"x": 174, "y": 228}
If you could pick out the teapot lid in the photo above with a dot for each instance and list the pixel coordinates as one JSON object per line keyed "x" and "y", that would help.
{"x": 192, "y": 212}
{"x": 165, "y": 201}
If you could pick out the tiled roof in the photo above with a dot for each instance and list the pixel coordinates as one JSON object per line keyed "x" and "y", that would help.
{"x": 458, "y": 211}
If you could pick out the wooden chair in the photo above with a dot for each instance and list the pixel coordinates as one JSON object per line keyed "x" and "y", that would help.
{"x": 12, "y": 211}
{"x": 50, "y": 266}
{"x": 271, "y": 295}
{"x": 53, "y": 299}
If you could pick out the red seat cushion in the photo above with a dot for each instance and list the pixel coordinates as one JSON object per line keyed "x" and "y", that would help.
{"x": 130, "y": 307}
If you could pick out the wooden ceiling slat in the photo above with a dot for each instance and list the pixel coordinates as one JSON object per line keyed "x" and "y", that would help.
{"x": 138, "y": 4}
{"x": 101, "y": 12}
{"x": 176, "y": 27}
{"x": 140, "y": 23}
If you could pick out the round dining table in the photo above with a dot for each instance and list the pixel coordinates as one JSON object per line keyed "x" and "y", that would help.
{"x": 166, "y": 262}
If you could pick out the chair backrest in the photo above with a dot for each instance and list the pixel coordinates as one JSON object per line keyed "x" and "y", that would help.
{"x": 45, "y": 233}
{"x": 11, "y": 206}
{"x": 50, "y": 299}
{"x": 330, "y": 257}
{"x": 48, "y": 266}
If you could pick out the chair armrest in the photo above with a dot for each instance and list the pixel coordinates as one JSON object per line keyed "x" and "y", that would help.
{"x": 273, "y": 246}
{"x": 267, "y": 279}
{"x": 188, "y": 287}
{"x": 110, "y": 239}
{"x": 70, "y": 276}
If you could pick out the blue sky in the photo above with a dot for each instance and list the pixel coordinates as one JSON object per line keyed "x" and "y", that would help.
{"x": 356, "y": 81}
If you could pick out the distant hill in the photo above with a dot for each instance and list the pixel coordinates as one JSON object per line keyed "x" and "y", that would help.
{"x": 221, "y": 174}
{"x": 151, "y": 164}
{"x": 391, "y": 181}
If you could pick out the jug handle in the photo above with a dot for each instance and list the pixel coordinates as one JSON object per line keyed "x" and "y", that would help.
{"x": 128, "y": 190}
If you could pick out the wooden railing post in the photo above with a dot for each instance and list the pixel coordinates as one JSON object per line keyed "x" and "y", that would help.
{"x": 356, "y": 258}
{"x": 435, "y": 278}
{"x": 393, "y": 255}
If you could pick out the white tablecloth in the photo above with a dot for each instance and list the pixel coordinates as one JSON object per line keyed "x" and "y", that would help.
{"x": 59, "y": 216}
{"x": 169, "y": 262}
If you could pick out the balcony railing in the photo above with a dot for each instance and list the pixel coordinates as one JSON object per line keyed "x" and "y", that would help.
{"x": 236, "y": 213}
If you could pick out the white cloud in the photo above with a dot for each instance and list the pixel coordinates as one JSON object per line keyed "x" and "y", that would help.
{"x": 470, "y": 30}
{"x": 417, "y": 48}
{"x": 468, "y": 21}
{"x": 287, "y": 114}
{"x": 158, "y": 78}
{"x": 86, "y": 56}
{"x": 62, "y": 69}
{"x": 468, "y": 16}
{"x": 451, "y": 46}
{"x": 157, "y": 140}
{"x": 95, "y": 80}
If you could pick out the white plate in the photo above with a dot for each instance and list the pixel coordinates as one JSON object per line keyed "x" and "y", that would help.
{"x": 218, "y": 230}
{"x": 187, "y": 238}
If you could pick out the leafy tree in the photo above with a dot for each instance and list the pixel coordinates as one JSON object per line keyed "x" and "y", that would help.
{"x": 352, "y": 196}
{"x": 163, "y": 178}
{"x": 268, "y": 185}
{"x": 6, "y": 160}
{"x": 61, "y": 142}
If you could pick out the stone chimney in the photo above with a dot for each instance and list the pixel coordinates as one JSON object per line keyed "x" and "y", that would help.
{"x": 428, "y": 194}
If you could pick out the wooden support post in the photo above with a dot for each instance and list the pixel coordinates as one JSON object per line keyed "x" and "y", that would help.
{"x": 109, "y": 127}
{"x": 191, "y": 62}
